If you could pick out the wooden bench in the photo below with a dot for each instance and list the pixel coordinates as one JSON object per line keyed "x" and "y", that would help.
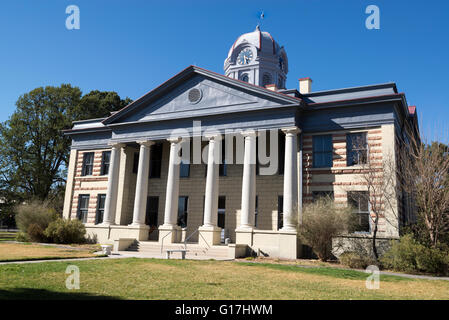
{"x": 170, "y": 251}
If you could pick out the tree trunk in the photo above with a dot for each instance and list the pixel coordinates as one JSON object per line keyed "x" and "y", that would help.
{"x": 376, "y": 255}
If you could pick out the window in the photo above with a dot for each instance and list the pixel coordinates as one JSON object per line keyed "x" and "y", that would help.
{"x": 83, "y": 207}
{"x": 152, "y": 211}
{"x": 101, "y": 199}
{"x": 244, "y": 77}
{"x": 266, "y": 79}
{"x": 155, "y": 160}
{"x": 222, "y": 167}
{"x": 280, "y": 212}
{"x": 88, "y": 164}
{"x": 281, "y": 156}
{"x": 136, "y": 162}
{"x": 184, "y": 169}
{"x": 105, "y": 159}
{"x": 322, "y": 194}
{"x": 356, "y": 148}
{"x": 182, "y": 211}
{"x": 222, "y": 215}
{"x": 221, "y": 211}
{"x": 322, "y": 151}
{"x": 256, "y": 212}
{"x": 359, "y": 201}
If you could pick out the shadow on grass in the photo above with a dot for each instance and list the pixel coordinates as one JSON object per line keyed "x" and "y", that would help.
{"x": 44, "y": 294}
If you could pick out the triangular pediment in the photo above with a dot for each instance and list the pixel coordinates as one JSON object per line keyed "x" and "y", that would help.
{"x": 212, "y": 94}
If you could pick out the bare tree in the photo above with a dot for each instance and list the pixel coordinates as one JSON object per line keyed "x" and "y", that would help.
{"x": 381, "y": 190}
{"x": 424, "y": 170}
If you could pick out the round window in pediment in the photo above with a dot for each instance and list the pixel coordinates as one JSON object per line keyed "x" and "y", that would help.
{"x": 195, "y": 95}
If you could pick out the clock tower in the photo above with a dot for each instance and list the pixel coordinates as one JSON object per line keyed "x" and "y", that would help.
{"x": 256, "y": 58}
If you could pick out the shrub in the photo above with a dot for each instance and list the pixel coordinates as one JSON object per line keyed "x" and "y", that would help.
{"x": 409, "y": 255}
{"x": 22, "y": 237}
{"x": 323, "y": 220}
{"x": 66, "y": 231}
{"x": 33, "y": 218}
{"x": 355, "y": 260}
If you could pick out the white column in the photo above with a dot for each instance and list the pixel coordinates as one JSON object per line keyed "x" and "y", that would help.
{"x": 140, "y": 199}
{"x": 290, "y": 209}
{"x": 111, "y": 194}
{"x": 247, "y": 214}
{"x": 172, "y": 193}
{"x": 211, "y": 193}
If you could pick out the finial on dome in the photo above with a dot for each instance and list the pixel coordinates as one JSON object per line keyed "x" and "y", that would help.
{"x": 258, "y": 27}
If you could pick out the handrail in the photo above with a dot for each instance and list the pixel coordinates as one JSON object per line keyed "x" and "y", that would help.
{"x": 199, "y": 233}
{"x": 162, "y": 241}
{"x": 187, "y": 238}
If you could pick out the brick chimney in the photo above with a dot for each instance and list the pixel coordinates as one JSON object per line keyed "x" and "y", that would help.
{"x": 305, "y": 85}
{"x": 271, "y": 87}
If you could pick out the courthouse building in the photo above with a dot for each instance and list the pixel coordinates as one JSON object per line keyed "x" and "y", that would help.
{"x": 126, "y": 183}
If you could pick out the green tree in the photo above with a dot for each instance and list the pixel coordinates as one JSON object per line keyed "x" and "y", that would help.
{"x": 98, "y": 104}
{"x": 33, "y": 152}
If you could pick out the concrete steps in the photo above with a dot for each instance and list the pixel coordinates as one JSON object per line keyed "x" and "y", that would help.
{"x": 194, "y": 251}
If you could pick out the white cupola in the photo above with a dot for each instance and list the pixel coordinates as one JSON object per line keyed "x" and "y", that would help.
{"x": 256, "y": 58}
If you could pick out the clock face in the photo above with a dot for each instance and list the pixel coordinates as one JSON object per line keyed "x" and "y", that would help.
{"x": 245, "y": 56}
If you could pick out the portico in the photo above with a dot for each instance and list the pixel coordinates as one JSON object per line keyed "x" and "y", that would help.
{"x": 209, "y": 232}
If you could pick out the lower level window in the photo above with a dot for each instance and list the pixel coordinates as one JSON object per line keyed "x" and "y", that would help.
{"x": 83, "y": 207}
{"x": 152, "y": 211}
{"x": 182, "y": 211}
{"x": 359, "y": 201}
{"x": 280, "y": 212}
{"x": 256, "y": 213}
{"x": 101, "y": 199}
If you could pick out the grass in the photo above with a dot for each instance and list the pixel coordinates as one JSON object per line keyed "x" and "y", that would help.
{"x": 33, "y": 251}
{"x": 134, "y": 278}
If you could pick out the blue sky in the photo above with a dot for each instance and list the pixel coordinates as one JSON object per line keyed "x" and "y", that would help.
{"x": 132, "y": 46}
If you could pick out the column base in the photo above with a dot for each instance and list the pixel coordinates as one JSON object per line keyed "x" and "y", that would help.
{"x": 244, "y": 235}
{"x": 138, "y": 225}
{"x": 288, "y": 229}
{"x": 209, "y": 235}
{"x": 288, "y": 244}
{"x": 170, "y": 234}
{"x": 106, "y": 224}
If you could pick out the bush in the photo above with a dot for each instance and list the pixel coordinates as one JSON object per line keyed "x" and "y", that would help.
{"x": 33, "y": 218}
{"x": 22, "y": 237}
{"x": 323, "y": 220}
{"x": 355, "y": 260}
{"x": 66, "y": 231}
{"x": 409, "y": 255}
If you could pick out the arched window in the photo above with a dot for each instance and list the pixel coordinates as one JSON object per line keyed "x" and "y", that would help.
{"x": 244, "y": 77}
{"x": 266, "y": 79}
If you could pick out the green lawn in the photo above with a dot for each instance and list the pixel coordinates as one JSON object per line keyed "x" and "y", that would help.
{"x": 186, "y": 279}
{"x": 35, "y": 251}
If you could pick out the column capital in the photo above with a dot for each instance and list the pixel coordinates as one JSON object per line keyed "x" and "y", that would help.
{"x": 174, "y": 139}
{"x": 117, "y": 145}
{"x": 146, "y": 143}
{"x": 292, "y": 130}
{"x": 213, "y": 136}
{"x": 249, "y": 133}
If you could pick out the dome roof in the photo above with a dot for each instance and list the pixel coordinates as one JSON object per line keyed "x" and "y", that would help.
{"x": 262, "y": 40}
